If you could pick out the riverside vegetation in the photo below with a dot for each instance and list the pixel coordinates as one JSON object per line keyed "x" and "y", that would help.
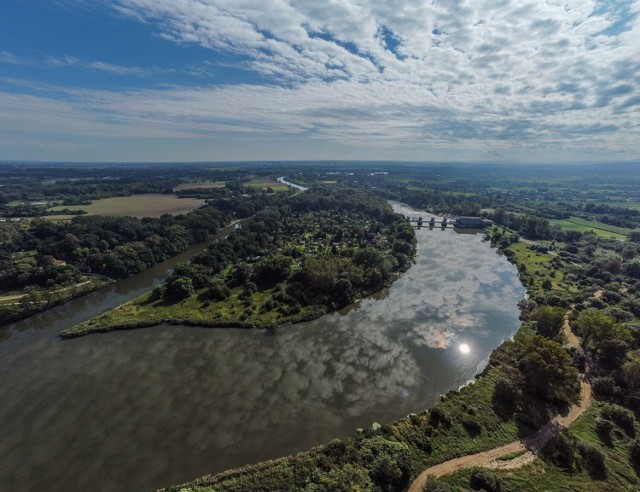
{"x": 318, "y": 251}
{"x": 592, "y": 280}
{"x": 43, "y": 263}
{"x": 568, "y": 271}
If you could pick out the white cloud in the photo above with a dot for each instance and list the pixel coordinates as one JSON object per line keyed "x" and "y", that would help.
{"x": 540, "y": 78}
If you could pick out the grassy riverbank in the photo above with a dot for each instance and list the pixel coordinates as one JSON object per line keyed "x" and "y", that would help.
{"x": 233, "y": 312}
{"x": 579, "y": 471}
{"x": 528, "y": 380}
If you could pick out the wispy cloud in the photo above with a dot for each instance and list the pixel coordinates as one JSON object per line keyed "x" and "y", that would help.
{"x": 71, "y": 61}
{"x": 528, "y": 80}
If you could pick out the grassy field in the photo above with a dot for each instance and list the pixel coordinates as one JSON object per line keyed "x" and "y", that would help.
{"x": 582, "y": 225}
{"x": 537, "y": 265}
{"x": 631, "y": 205}
{"x": 265, "y": 182}
{"x": 202, "y": 185}
{"x": 147, "y": 310}
{"x": 148, "y": 205}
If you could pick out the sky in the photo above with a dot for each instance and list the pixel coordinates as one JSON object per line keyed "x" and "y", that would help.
{"x": 419, "y": 80}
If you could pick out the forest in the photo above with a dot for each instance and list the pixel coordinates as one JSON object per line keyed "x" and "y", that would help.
{"x": 318, "y": 251}
{"x": 47, "y": 259}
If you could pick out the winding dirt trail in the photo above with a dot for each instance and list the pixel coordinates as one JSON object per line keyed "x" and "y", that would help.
{"x": 531, "y": 444}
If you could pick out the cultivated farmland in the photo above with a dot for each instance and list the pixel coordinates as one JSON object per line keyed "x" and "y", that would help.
{"x": 147, "y": 205}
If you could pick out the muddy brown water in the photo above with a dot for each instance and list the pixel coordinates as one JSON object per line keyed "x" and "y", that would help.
{"x": 146, "y": 408}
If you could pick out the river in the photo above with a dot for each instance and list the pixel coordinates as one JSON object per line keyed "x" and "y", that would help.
{"x": 146, "y": 408}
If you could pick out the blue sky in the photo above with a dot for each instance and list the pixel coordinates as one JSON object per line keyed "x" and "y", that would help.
{"x": 199, "y": 80}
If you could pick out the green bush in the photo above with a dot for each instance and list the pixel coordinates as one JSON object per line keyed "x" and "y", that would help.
{"x": 622, "y": 417}
{"x": 594, "y": 460}
{"x": 485, "y": 480}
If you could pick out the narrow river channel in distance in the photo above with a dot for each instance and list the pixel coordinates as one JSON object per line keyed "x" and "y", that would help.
{"x": 141, "y": 409}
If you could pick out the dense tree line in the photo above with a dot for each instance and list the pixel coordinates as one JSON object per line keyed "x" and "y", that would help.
{"x": 325, "y": 247}
{"x": 113, "y": 246}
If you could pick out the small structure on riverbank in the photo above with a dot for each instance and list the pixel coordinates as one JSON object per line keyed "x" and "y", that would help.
{"x": 473, "y": 222}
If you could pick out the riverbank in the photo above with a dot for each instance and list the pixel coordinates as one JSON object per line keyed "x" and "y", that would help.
{"x": 127, "y": 317}
{"x": 21, "y": 306}
{"x": 188, "y": 401}
{"x": 472, "y": 420}
{"x": 148, "y": 310}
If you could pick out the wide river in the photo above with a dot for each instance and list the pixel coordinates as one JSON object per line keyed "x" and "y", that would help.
{"x": 141, "y": 409}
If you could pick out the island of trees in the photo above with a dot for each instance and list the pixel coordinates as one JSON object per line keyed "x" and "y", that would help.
{"x": 316, "y": 252}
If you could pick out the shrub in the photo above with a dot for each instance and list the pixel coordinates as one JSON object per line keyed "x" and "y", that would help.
{"x": 435, "y": 485}
{"x": 438, "y": 416}
{"x": 634, "y": 454}
{"x": 622, "y": 417}
{"x": 604, "y": 428}
{"x": 604, "y": 387}
{"x": 559, "y": 450}
{"x": 218, "y": 291}
{"x": 472, "y": 427}
{"x": 593, "y": 459}
{"x": 485, "y": 480}
{"x": 505, "y": 398}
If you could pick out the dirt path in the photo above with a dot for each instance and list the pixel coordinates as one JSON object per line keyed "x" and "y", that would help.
{"x": 20, "y": 296}
{"x": 532, "y": 444}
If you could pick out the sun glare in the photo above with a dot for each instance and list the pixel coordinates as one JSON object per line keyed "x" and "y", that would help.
{"x": 464, "y": 348}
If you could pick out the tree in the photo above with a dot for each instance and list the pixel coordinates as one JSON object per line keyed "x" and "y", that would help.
{"x": 272, "y": 270}
{"x": 632, "y": 269}
{"x": 595, "y": 327}
{"x": 218, "y": 291}
{"x": 179, "y": 288}
{"x": 547, "y": 368}
{"x": 631, "y": 370}
{"x": 549, "y": 320}
{"x": 484, "y": 480}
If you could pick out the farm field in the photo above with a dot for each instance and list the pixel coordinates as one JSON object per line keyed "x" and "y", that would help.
{"x": 265, "y": 182}
{"x": 203, "y": 185}
{"x": 147, "y": 205}
{"x": 631, "y": 205}
{"x": 582, "y": 225}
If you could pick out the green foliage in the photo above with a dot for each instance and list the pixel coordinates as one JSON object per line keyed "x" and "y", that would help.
{"x": 593, "y": 459}
{"x": 179, "y": 288}
{"x": 218, "y": 291}
{"x": 549, "y": 320}
{"x": 622, "y": 417}
{"x": 595, "y": 327}
{"x": 546, "y": 367}
{"x": 435, "y": 485}
{"x": 634, "y": 454}
{"x": 506, "y": 396}
{"x": 485, "y": 480}
{"x": 272, "y": 270}
{"x": 559, "y": 451}
{"x": 350, "y": 478}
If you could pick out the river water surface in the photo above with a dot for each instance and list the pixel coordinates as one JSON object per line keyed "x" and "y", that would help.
{"x": 141, "y": 409}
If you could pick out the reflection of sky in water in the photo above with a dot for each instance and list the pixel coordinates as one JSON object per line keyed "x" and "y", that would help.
{"x": 147, "y": 408}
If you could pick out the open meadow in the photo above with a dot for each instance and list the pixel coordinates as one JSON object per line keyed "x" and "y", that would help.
{"x": 266, "y": 182}
{"x": 203, "y": 185}
{"x": 147, "y": 205}
{"x": 601, "y": 229}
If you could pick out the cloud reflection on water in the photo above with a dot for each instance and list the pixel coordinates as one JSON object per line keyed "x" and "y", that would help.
{"x": 149, "y": 407}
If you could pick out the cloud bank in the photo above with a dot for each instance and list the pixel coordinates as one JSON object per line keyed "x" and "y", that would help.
{"x": 455, "y": 80}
